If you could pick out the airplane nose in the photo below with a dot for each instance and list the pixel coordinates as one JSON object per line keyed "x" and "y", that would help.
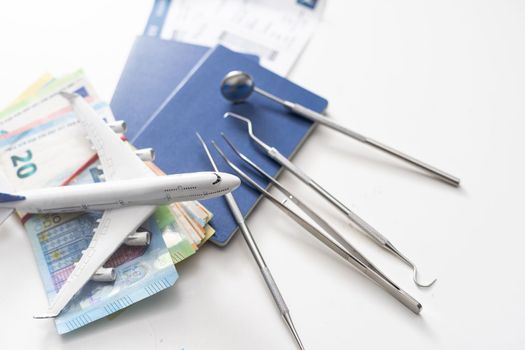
{"x": 229, "y": 180}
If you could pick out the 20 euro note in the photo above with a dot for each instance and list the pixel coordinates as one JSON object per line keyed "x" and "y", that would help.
{"x": 41, "y": 141}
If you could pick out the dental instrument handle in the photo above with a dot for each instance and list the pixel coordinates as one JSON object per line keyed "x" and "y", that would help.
{"x": 339, "y": 245}
{"x": 250, "y": 242}
{"x": 285, "y": 162}
{"x": 356, "y": 219}
{"x": 317, "y": 117}
{"x": 256, "y": 253}
{"x": 265, "y": 271}
{"x": 345, "y": 250}
{"x": 294, "y": 169}
{"x": 372, "y": 233}
{"x": 365, "y": 227}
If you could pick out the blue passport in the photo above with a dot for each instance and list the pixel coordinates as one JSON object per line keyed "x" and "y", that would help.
{"x": 153, "y": 69}
{"x": 196, "y": 105}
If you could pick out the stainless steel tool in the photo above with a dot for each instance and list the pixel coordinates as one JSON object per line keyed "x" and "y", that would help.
{"x": 237, "y": 86}
{"x": 332, "y": 240}
{"x": 254, "y": 249}
{"x": 377, "y": 237}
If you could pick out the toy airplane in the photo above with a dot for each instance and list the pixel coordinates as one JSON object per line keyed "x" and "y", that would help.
{"x": 128, "y": 197}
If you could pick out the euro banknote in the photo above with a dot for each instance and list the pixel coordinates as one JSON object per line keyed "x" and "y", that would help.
{"x": 58, "y": 241}
{"x": 42, "y": 144}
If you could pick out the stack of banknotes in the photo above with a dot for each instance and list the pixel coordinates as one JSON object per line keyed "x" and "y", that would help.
{"x": 42, "y": 144}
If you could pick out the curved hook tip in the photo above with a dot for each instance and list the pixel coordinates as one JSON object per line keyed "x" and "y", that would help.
{"x": 419, "y": 284}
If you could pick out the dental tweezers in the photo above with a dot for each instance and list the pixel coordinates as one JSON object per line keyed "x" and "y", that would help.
{"x": 372, "y": 233}
{"x": 321, "y": 230}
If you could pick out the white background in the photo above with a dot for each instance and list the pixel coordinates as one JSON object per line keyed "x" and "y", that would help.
{"x": 441, "y": 80}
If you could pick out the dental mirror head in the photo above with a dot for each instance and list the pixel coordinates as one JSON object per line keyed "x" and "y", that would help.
{"x": 237, "y": 86}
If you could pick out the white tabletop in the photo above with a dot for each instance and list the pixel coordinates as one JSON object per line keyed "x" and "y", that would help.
{"x": 441, "y": 80}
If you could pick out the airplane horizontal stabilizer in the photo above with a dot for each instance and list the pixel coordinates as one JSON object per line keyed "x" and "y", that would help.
{"x": 6, "y": 197}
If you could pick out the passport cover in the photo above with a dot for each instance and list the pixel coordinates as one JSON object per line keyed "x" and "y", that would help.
{"x": 153, "y": 69}
{"x": 196, "y": 104}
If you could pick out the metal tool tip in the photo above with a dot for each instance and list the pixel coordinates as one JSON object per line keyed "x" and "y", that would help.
{"x": 424, "y": 285}
{"x": 221, "y": 153}
{"x": 236, "y": 150}
{"x": 199, "y": 136}
{"x": 236, "y": 116}
{"x": 390, "y": 247}
{"x": 288, "y": 319}
{"x": 207, "y": 151}
{"x": 415, "y": 278}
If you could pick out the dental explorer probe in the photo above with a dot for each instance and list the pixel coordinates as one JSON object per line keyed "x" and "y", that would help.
{"x": 377, "y": 237}
{"x": 250, "y": 241}
{"x": 336, "y": 243}
{"x": 237, "y": 86}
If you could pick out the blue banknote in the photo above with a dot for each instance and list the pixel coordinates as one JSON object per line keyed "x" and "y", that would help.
{"x": 58, "y": 241}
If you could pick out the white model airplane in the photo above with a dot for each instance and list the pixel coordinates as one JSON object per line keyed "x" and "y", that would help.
{"x": 128, "y": 197}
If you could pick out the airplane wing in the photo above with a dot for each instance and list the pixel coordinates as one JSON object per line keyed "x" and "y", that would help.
{"x": 117, "y": 160}
{"x": 118, "y": 163}
{"x": 113, "y": 228}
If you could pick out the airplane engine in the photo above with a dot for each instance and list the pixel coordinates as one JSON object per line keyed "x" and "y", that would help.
{"x": 138, "y": 239}
{"x": 118, "y": 126}
{"x": 146, "y": 154}
{"x": 104, "y": 274}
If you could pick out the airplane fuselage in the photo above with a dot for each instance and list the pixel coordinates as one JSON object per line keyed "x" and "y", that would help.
{"x": 155, "y": 190}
